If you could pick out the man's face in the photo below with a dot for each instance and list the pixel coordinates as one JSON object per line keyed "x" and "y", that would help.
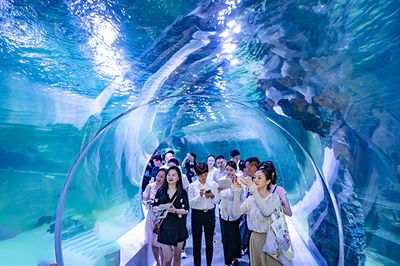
{"x": 171, "y": 164}
{"x": 168, "y": 157}
{"x": 203, "y": 178}
{"x": 157, "y": 163}
{"x": 251, "y": 169}
{"x": 236, "y": 159}
{"x": 221, "y": 164}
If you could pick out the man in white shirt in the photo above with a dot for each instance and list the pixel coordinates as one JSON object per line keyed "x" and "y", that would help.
{"x": 221, "y": 163}
{"x": 211, "y": 168}
{"x": 166, "y": 157}
{"x": 203, "y": 196}
{"x": 235, "y": 154}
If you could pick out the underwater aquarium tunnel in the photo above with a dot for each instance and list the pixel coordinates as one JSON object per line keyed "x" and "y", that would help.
{"x": 90, "y": 89}
{"x": 117, "y": 157}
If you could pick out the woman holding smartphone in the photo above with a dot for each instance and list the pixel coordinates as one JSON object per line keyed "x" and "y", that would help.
{"x": 258, "y": 207}
{"x": 229, "y": 220}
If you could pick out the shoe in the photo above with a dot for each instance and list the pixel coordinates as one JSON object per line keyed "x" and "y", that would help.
{"x": 245, "y": 251}
{"x": 183, "y": 255}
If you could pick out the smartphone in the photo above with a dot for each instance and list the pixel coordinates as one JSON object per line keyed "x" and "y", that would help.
{"x": 208, "y": 191}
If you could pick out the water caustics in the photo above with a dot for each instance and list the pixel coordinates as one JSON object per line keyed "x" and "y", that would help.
{"x": 311, "y": 85}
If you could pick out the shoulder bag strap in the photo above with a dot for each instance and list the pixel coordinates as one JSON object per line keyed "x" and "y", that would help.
{"x": 162, "y": 220}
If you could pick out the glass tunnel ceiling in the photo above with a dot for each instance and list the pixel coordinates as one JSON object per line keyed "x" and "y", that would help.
{"x": 324, "y": 70}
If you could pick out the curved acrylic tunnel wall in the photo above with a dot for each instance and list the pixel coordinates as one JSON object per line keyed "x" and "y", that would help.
{"x": 102, "y": 201}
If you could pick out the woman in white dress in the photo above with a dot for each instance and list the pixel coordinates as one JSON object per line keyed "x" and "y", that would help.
{"x": 148, "y": 199}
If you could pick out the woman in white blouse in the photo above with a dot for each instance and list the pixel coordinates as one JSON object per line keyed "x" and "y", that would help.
{"x": 230, "y": 232}
{"x": 258, "y": 207}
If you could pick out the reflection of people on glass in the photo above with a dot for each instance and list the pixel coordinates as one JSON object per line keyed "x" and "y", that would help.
{"x": 173, "y": 231}
{"x": 258, "y": 207}
{"x": 148, "y": 199}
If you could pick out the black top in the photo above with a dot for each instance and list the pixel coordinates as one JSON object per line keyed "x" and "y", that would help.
{"x": 189, "y": 173}
{"x": 173, "y": 229}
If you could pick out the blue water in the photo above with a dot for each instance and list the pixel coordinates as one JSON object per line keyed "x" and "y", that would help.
{"x": 269, "y": 78}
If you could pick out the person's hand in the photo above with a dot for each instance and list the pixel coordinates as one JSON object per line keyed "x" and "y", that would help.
{"x": 172, "y": 209}
{"x": 248, "y": 182}
{"x": 235, "y": 182}
{"x": 245, "y": 173}
{"x": 209, "y": 194}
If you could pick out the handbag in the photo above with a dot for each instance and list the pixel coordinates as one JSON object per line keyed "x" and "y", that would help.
{"x": 158, "y": 222}
{"x": 157, "y": 226}
{"x": 281, "y": 232}
{"x": 270, "y": 245}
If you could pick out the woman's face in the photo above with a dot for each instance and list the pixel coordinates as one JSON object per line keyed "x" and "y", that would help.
{"x": 160, "y": 178}
{"x": 211, "y": 162}
{"x": 260, "y": 180}
{"x": 172, "y": 177}
{"x": 191, "y": 158}
{"x": 230, "y": 171}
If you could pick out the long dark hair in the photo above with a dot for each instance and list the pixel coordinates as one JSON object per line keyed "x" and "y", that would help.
{"x": 267, "y": 171}
{"x": 194, "y": 157}
{"x": 232, "y": 164}
{"x": 179, "y": 185}
{"x": 270, "y": 165}
{"x": 162, "y": 170}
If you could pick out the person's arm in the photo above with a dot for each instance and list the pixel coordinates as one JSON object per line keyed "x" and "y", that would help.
{"x": 215, "y": 176}
{"x": 211, "y": 193}
{"x": 194, "y": 195}
{"x": 185, "y": 160}
{"x": 184, "y": 208}
{"x": 214, "y": 190}
{"x": 266, "y": 209}
{"x": 157, "y": 199}
{"x": 285, "y": 202}
{"x": 238, "y": 209}
{"x": 146, "y": 195}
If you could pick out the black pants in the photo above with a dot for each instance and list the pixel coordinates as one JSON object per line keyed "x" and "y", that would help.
{"x": 244, "y": 234}
{"x": 230, "y": 240}
{"x": 202, "y": 219}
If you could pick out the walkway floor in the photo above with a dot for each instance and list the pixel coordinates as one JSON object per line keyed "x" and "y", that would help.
{"x": 218, "y": 257}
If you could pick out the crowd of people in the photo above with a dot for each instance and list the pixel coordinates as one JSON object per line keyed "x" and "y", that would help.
{"x": 242, "y": 195}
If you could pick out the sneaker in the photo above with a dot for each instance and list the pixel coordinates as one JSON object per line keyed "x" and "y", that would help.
{"x": 183, "y": 255}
